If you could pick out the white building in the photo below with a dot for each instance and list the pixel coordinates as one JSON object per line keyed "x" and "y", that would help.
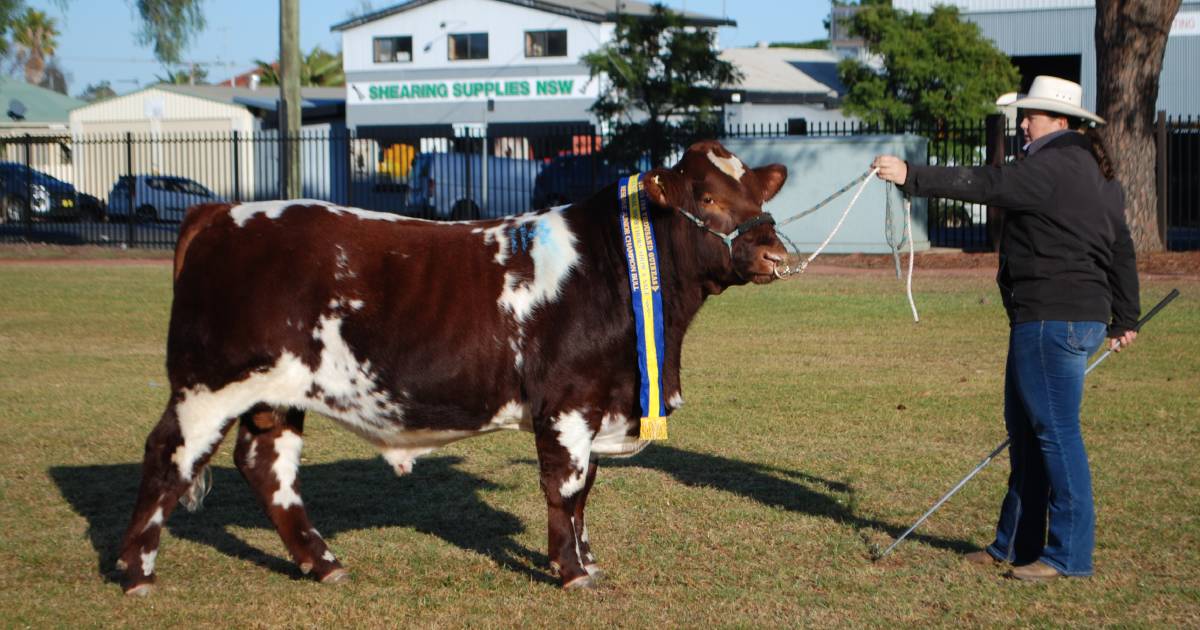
{"x": 429, "y": 65}
{"x": 798, "y": 86}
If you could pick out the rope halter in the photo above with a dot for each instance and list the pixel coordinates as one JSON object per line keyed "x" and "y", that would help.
{"x": 741, "y": 229}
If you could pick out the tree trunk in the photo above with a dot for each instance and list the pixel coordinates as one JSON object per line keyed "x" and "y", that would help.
{"x": 1131, "y": 37}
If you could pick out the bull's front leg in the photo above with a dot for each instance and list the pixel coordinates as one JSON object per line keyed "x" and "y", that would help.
{"x": 564, "y": 445}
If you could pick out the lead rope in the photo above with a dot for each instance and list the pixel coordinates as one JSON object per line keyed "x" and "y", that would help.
{"x": 865, "y": 178}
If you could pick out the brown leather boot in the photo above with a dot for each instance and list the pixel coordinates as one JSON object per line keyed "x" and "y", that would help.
{"x": 1034, "y": 572}
{"x": 982, "y": 558}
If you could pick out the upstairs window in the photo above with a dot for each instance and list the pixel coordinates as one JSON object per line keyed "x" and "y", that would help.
{"x": 545, "y": 43}
{"x": 393, "y": 49}
{"x": 468, "y": 46}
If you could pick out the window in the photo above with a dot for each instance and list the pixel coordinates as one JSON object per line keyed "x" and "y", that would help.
{"x": 393, "y": 49}
{"x": 468, "y": 46}
{"x": 545, "y": 43}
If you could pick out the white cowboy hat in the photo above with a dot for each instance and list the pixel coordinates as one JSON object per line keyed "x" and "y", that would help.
{"x": 1051, "y": 94}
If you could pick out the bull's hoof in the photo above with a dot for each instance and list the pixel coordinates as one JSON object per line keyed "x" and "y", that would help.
{"x": 336, "y": 576}
{"x": 583, "y": 582}
{"x": 595, "y": 572}
{"x": 140, "y": 590}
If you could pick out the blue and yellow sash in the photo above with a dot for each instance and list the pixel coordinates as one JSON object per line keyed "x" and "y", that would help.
{"x": 642, "y": 256}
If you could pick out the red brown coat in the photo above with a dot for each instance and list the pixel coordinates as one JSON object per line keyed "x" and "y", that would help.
{"x": 413, "y": 334}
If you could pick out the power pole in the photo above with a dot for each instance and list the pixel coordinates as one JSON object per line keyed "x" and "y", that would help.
{"x": 289, "y": 94}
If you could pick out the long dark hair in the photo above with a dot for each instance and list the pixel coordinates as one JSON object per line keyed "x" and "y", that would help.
{"x": 1099, "y": 150}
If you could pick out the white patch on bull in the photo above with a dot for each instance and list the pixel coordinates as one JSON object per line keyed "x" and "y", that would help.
{"x": 148, "y": 561}
{"x": 344, "y": 270}
{"x": 340, "y": 388}
{"x": 518, "y": 356}
{"x": 731, "y": 166}
{"x": 675, "y": 401}
{"x": 402, "y": 448}
{"x": 243, "y": 212}
{"x": 575, "y": 435}
{"x": 251, "y": 454}
{"x": 513, "y": 415}
{"x": 551, "y": 246}
{"x": 613, "y": 439}
{"x": 575, "y": 536}
{"x": 355, "y": 305}
{"x": 155, "y": 520}
{"x": 328, "y": 556}
{"x": 287, "y": 463}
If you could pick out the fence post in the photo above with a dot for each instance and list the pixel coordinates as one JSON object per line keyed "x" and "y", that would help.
{"x": 129, "y": 190}
{"x": 237, "y": 168}
{"x": 996, "y": 130}
{"x": 28, "y": 207}
{"x": 349, "y": 154}
{"x": 1161, "y": 166}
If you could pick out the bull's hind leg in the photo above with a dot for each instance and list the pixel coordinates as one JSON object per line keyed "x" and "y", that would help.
{"x": 585, "y": 547}
{"x": 176, "y": 452}
{"x": 268, "y": 455}
{"x": 564, "y": 448}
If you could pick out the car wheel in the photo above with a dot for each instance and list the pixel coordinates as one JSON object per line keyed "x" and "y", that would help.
{"x": 464, "y": 210}
{"x": 10, "y": 208}
{"x": 146, "y": 214}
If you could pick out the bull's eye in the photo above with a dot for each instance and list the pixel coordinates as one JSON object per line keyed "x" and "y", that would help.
{"x": 708, "y": 200}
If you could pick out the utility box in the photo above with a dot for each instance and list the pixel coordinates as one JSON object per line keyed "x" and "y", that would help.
{"x": 817, "y": 167}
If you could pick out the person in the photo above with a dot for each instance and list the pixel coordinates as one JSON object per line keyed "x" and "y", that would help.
{"x": 1067, "y": 275}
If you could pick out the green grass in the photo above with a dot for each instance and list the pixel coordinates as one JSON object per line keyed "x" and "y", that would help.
{"x": 820, "y": 422}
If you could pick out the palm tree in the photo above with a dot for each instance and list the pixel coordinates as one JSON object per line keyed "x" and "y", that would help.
{"x": 319, "y": 68}
{"x": 191, "y": 75}
{"x": 36, "y": 38}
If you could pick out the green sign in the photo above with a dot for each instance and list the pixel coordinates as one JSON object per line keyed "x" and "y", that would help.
{"x": 384, "y": 92}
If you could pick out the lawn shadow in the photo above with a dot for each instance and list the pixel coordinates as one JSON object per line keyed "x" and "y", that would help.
{"x": 790, "y": 490}
{"x": 436, "y": 499}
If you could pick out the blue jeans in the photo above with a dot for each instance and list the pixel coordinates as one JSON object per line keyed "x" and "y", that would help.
{"x": 1043, "y": 388}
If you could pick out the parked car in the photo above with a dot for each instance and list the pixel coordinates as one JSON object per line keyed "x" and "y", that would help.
{"x": 155, "y": 197}
{"x": 574, "y": 178}
{"x": 447, "y": 185}
{"x": 50, "y": 199}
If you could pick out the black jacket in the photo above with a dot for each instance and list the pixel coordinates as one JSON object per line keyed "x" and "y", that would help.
{"x": 1065, "y": 249}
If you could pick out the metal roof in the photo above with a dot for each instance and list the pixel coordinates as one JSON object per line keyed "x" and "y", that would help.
{"x": 785, "y": 70}
{"x": 263, "y": 98}
{"x": 590, "y": 10}
{"x": 41, "y": 105}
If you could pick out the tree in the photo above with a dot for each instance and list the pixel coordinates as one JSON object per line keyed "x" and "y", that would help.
{"x": 193, "y": 74}
{"x": 318, "y": 68}
{"x": 54, "y": 77}
{"x": 168, "y": 26}
{"x": 1131, "y": 38}
{"x": 36, "y": 38}
{"x": 97, "y": 92}
{"x": 937, "y": 70}
{"x": 664, "y": 77}
{"x": 9, "y": 10}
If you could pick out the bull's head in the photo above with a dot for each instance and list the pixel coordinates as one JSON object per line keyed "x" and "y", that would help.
{"x": 736, "y": 242}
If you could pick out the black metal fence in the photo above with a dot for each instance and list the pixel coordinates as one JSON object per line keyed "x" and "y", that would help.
{"x": 1181, "y": 179}
{"x": 131, "y": 190}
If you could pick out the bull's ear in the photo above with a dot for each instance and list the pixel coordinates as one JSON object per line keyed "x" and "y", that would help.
{"x": 771, "y": 177}
{"x": 667, "y": 188}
